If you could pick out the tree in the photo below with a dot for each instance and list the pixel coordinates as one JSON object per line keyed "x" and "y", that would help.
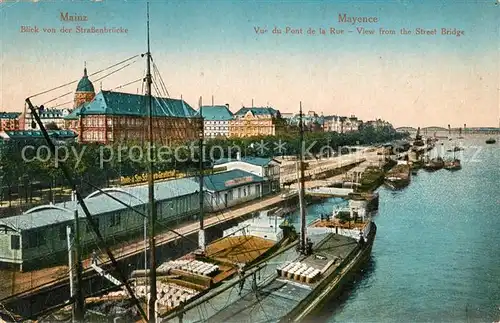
{"x": 52, "y": 126}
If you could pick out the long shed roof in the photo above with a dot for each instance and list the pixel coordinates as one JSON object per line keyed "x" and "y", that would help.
{"x": 102, "y": 204}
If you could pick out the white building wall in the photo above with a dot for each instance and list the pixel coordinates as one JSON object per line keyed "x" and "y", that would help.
{"x": 216, "y": 128}
{"x": 235, "y": 196}
{"x": 7, "y": 254}
{"x": 254, "y": 169}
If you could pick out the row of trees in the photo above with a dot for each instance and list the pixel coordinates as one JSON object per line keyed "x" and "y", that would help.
{"x": 98, "y": 164}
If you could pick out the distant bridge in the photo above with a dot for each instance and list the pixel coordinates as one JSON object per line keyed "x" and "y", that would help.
{"x": 429, "y": 129}
{"x": 432, "y": 129}
{"x": 406, "y": 129}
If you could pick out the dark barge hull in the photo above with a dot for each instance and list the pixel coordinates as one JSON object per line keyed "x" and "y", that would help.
{"x": 333, "y": 284}
{"x": 397, "y": 184}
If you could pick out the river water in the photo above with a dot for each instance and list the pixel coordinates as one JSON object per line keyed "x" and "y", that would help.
{"x": 436, "y": 257}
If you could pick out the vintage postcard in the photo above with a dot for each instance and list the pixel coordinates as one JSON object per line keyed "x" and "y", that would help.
{"x": 249, "y": 161}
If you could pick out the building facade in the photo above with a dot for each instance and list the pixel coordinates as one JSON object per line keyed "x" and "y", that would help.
{"x": 118, "y": 117}
{"x": 108, "y": 117}
{"x": 266, "y": 168}
{"x": 331, "y": 124}
{"x": 341, "y": 124}
{"x": 216, "y": 121}
{"x": 10, "y": 120}
{"x": 249, "y": 122}
{"x": 47, "y": 117}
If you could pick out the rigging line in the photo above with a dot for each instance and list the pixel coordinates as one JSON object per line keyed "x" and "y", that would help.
{"x": 166, "y": 110}
{"x": 165, "y": 96}
{"x": 69, "y": 83}
{"x": 118, "y": 87}
{"x": 89, "y": 217}
{"x": 161, "y": 79}
{"x": 158, "y": 76}
{"x": 67, "y": 93}
{"x": 164, "y": 105}
{"x": 262, "y": 307}
{"x": 102, "y": 77}
{"x": 133, "y": 209}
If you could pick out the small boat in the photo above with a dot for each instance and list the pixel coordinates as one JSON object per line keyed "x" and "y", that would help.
{"x": 453, "y": 164}
{"x": 455, "y": 149}
{"x": 491, "y": 141}
{"x": 434, "y": 164}
{"x": 399, "y": 176}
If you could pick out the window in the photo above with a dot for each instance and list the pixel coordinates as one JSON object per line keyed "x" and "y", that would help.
{"x": 41, "y": 240}
{"x": 114, "y": 220}
{"x": 89, "y": 227}
{"x": 15, "y": 242}
{"x": 62, "y": 232}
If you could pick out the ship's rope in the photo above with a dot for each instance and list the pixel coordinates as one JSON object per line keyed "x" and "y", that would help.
{"x": 72, "y": 82}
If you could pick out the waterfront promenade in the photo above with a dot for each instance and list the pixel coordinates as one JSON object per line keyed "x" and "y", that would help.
{"x": 362, "y": 160}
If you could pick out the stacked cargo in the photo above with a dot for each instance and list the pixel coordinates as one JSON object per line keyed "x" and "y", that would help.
{"x": 298, "y": 271}
{"x": 169, "y": 295}
{"x": 193, "y": 266}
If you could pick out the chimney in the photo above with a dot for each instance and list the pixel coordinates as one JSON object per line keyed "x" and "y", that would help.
{"x": 238, "y": 155}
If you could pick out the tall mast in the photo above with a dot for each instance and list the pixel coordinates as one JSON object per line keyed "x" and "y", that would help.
{"x": 201, "y": 233}
{"x": 302, "y": 187}
{"x": 151, "y": 202}
{"x": 79, "y": 308}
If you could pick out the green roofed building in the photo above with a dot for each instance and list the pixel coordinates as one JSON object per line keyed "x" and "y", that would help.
{"x": 115, "y": 116}
{"x": 216, "y": 120}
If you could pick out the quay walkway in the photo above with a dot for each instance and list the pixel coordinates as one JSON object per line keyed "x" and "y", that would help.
{"x": 370, "y": 158}
{"x": 329, "y": 192}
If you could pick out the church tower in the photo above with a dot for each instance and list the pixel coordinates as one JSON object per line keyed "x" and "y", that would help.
{"x": 84, "y": 91}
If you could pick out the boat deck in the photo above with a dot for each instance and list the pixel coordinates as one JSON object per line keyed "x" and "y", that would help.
{"x": 238, "y": 249}
{"x": 276, "y": 295}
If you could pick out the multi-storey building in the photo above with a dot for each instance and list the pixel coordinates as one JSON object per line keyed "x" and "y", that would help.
{"x": 10, "y": 120}
{"x": 248, "y": 122}
{"x": 341, "y": 124}
{"x": 352, "y": 124}
{"x": 116, "y": 117}
{"x": 216, "y": 120}
{"x": 47, "y": 116}
{"x": 331, "y": 124}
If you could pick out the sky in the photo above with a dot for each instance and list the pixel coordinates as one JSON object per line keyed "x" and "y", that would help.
{"x": 211, "y": 48}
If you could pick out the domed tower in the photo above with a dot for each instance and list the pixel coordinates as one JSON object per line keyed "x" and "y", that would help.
{"x": 84, "y": 91}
